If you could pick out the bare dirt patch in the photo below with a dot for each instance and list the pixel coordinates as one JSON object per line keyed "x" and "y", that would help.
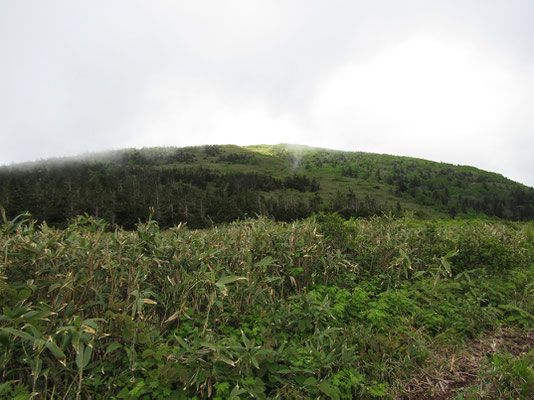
{"x": 453, "y": 371}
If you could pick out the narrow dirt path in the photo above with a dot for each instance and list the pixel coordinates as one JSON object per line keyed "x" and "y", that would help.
{"x": 455, "y": 371}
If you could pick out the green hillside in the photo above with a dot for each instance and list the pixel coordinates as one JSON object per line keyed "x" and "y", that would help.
{"x": 212, "y": 184}
{"x": 406, "y": 303}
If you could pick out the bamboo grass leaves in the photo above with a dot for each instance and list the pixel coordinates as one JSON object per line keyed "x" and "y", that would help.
{"x": 319, "y": 308}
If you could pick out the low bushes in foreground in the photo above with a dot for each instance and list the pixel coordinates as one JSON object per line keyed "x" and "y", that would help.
{"x": 316, "y": 308}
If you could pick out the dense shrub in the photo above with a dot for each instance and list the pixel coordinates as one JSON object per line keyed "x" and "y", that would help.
{"x": 317, "y": 308}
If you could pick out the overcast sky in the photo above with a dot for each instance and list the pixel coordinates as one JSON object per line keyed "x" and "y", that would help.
{"x": 449, "y": 81}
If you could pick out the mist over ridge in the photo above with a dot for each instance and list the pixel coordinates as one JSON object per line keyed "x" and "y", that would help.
{"x": 202, "y": 185}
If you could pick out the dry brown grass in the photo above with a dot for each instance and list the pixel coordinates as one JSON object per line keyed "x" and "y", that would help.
{"x": 453, "y": 370}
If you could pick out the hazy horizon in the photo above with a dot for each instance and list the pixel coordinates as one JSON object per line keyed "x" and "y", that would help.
{"x": 446, "y": 81}
{"x": 92, "y": 154}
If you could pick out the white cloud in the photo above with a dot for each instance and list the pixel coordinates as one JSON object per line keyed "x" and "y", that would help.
{"x": 450, "y": 81}
{"x": 426, "y": 97}
{"x": 184, "y": 113}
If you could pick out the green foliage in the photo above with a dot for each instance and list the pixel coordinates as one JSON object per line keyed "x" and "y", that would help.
{"x": 319, "y": 308}
{"x": 204, "y": 185}
{"x": 512, "y": 377}
{"x": 504, "y": 376}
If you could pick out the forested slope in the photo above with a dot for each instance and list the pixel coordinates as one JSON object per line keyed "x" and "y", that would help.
{"x": 213, "y": 184}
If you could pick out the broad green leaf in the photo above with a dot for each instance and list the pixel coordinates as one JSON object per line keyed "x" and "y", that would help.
{"x": 92, "y": 322}
{"x": 56, "y": 351}
{"x": 36, "y": 315}
{"x": 33, "y": 329}
{"x": 254, "y": 362}
{"x": 79, "y": 356}
{"x": 184, "y": 343}
{"x": 329, "y": 390}
{"x": 76, "y": 337}
{"x": 87, "y": 355}
{"x": 311, "y": 381}
{"x": 112, "y": 347}
{"x": 265, "y": 262}
{"x": 246, "y": 341}
{"x": 226, "y": 360}
{"x": 225, "y": 280}
{"x": 236, "y": 391}
{"x": 21, "y": 334}
{"x": 209, "y": 345}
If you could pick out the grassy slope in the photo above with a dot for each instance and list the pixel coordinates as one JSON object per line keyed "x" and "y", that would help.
{"x": 325, "y": 165}
{"x": 425, "y": 187}
{"x": 459, "y": 182}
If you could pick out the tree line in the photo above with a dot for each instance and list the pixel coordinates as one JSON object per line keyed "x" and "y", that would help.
{"x": 124, "y": 194}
